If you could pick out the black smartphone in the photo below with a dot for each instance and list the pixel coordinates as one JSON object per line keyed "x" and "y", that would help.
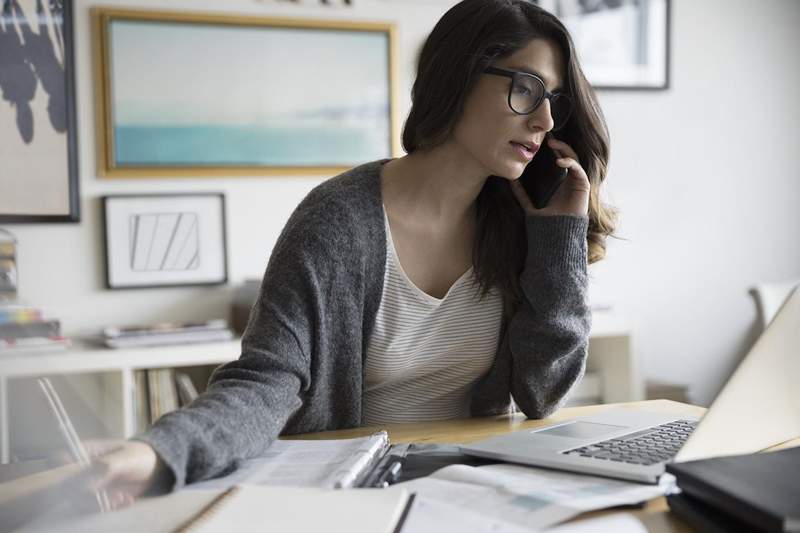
{"x": 542, "y": 177}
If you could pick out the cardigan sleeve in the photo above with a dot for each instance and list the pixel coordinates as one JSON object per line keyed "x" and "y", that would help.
{"x": 548, "y": 336}
{"x": 249, "y": 401}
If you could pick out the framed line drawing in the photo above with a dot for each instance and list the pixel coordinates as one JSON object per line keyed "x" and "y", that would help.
{"x": 622, "y": 44}
{"x": 193, "y": 94}
{"x": 164, "y": 240}
{"x": 38, "y": 149}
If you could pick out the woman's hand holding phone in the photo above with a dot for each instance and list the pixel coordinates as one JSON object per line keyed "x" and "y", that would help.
{"x": 572, "y": 197}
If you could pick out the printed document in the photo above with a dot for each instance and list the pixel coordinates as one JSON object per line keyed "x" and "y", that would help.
{"x": 526, "y": 496}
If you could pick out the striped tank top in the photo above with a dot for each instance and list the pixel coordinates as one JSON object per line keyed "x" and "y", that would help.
{"x": 426, "y": 353}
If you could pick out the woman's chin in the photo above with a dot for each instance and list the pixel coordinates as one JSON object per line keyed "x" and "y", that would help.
{"x": 510, "y": 172}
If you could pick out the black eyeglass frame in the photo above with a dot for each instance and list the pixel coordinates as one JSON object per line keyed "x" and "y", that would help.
{"x": 513, "y": 74}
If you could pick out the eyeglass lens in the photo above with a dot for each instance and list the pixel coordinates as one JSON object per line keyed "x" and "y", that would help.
{"x": 526, "y": 95}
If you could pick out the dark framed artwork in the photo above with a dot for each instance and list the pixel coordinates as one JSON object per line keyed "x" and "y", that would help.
{"x": 38, "y": 150}
{"x": 622, "y": 44}
{"x": 165, "y": 240}
{"x": 197, "y": 94}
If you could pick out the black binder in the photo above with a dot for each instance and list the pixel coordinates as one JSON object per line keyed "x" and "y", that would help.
{"x": 760, "y": 490}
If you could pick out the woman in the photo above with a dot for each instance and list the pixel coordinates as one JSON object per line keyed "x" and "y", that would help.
{"x": 367, "y": 312}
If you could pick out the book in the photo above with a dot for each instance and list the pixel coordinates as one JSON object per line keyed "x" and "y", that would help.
{"x": 167, "y": 339}
{"x": 153, "y": 394}
{"x": 19, "y": 314}
{"x": 19, "y": 330}
{"x": 703, "y": 517}
{"x": 169, "y": 393}
{"x": 141, "y": 401}
{"x": 331, "y": 464}
{"x": 33, "y": 345}
{"x": 246, "y": 508}
{"x": 186, "y": 389}
{"x": 165, "y": 328}
{"x": 761, "y": 490}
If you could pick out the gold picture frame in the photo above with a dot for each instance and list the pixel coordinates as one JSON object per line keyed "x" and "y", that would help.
{"x": 147, "y": 127}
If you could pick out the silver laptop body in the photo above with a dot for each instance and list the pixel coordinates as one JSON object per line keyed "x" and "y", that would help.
{"x": 636, "y": 445}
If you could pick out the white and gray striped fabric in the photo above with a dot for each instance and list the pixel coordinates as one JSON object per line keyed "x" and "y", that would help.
{"x": 425, "y": 353}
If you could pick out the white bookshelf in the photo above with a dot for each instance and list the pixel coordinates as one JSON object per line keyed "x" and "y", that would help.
{"x": 114, "y": 367}
{"x": 611, "y": 368}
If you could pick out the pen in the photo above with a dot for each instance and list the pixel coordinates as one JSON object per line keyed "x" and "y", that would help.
{"x": 390, "y": 475}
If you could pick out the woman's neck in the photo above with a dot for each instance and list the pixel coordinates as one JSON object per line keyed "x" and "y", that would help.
{"x": 438, "y": 186}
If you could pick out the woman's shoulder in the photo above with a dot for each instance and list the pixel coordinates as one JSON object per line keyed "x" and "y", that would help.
{"x": 357, "y": 187}
{"x": 344, "y": 204}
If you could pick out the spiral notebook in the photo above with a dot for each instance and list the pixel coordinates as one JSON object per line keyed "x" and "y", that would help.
{"x": 246, "y": 508}
{"x": 340, "y": 463}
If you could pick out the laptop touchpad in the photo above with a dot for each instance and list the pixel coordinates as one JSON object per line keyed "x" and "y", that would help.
{"x": 580, "y": 430}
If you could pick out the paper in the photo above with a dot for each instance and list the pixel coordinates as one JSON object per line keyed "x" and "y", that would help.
{"x": 305, "y": 463}
{"x": 256, "y": 508}
{"x": 526, "y": 496}
{"x": 434, "y": 516}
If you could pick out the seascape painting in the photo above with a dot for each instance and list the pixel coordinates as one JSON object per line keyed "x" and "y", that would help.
{"x": 260, "y": 97}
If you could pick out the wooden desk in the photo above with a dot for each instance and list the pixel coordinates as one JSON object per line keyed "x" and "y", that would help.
{"x": 655, "y": 514}
{"x": 165, "y": 513}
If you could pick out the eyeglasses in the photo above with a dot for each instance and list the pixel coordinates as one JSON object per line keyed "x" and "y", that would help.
{"x": 527, "y": 92}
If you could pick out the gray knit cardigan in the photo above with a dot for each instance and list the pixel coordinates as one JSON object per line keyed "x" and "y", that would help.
{"x": 302, "y": 360}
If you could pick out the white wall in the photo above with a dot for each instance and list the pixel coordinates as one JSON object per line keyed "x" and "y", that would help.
{"x": 705, "y": 175}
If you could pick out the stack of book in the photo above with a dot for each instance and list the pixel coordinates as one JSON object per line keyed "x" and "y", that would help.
{"x": 742, "y": 493}
{"x": 23, "y": 329}
{"x": 159, "y": 391}
{"x": 166, "y": 334}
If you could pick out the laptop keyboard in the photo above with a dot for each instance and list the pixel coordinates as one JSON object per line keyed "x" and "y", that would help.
{"x": 646, "y": 447}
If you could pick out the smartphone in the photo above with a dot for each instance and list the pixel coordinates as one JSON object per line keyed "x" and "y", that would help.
{"x": 542, "y": 177}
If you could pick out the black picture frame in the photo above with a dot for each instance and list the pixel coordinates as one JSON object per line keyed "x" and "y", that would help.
{"x": 112, "y": 257}
{"x": 665, "y": 85}
{"x": 42, "y": 63}
{"x": 622, "y": 45}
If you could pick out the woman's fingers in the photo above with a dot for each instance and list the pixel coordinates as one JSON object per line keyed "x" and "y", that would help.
{"x": 580, "y": 181}
{"x": 562, "y": 148}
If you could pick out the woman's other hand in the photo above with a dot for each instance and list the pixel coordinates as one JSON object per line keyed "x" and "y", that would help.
{"x": 572, "y": 197}
{"x": 126, "y": 470}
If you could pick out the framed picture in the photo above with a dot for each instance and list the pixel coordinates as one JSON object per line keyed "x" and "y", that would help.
{"x": 165, "y": 240}
{"x": 622, "y": 44}
{"x": 39, "y": 170}
{"x": 188, "y": 94}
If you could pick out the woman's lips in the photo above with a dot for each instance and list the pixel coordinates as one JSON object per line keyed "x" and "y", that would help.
{"x": 523, "y": 151}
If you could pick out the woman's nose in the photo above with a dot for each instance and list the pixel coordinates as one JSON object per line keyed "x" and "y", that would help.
{"x": 541, "y": 118}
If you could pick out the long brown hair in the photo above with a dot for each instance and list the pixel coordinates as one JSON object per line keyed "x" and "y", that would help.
{"x": 467, "y": 39}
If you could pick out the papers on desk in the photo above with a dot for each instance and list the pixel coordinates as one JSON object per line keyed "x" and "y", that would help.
{"x": 307, "y": 463}
{"x": 254, "y": 508}
{"x": 524, "y": 496}
{"x": 501, "y": 498}
{"x": 434, "y": 516}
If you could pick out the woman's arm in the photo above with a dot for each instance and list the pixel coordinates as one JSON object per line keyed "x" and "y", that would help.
{"x": 250, "y": 400}
{"x": 547, "y": 338}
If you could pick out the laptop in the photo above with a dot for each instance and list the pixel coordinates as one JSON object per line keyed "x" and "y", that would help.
{"x": 757, "y": 408}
